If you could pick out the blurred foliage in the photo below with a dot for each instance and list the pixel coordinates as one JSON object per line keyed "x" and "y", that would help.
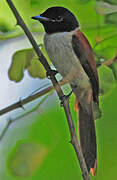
{"x": 114, "y": 69}
{"x": 36, "y": 147}
{"x": 47, "y": 131}
{"x": 106, "y": 79}
{"x": 102, "y": 34}
{"x": 20, "y": 61}
{"x": 26, "y": 158}
{"x": 26, "y": 59}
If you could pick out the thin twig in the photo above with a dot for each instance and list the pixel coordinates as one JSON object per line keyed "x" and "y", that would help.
{"x": 110, "y": 61}
{"x": 10, "y": 121}
{"x": 5, "y": 128}
{"x": 28, "y": 99}
{"x": 58, "y": 89}
{"x": 75, "y": 143}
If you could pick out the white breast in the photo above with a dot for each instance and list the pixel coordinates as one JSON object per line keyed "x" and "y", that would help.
{"x": 59, "y": 49}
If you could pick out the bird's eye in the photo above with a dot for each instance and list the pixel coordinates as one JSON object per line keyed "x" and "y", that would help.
{"x": 59, "y": 19}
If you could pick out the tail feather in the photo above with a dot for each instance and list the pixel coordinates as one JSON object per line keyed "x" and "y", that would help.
{"x": 87, "y": 137}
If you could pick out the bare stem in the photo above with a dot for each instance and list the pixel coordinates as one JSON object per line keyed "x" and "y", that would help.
{"x": 58, "y": 89}
{"x": 109, "y": 62}
{"x": 28, "y": 99}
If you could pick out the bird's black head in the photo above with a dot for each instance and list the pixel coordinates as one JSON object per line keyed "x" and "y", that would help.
{"x": 57, "y": 19}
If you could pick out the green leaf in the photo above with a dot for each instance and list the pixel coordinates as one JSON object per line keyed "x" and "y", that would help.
{"x": 26, "y": 158}
{"x": 27, "y": 59}
{"x": 111, "y": 1}
{"x": 106, "y": 79}
{"x": 114, "y": 69}
{"x": 111, "y": 18}
{"x": 36, "y": 69}
{"x": 104, "y": 8}
{"x": 4, "y": 27}
{"x": 20, "y": 60}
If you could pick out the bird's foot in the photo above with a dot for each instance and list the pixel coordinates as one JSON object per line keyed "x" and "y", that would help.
{"x": 65, "y": 97}
{"x": 51, "y": 72}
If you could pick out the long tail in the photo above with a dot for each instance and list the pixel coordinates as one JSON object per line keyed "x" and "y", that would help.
{"x": 87, "y": 136}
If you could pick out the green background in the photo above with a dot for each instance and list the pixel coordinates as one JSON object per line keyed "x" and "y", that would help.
{"x": 36, "y": 145}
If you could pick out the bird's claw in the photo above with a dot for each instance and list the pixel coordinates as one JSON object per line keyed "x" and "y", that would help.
{"x": 65, "y": 97}
{"x": 51, "y": 72}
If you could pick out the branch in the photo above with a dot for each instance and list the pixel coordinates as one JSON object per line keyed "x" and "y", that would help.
{"x": 58, "y": 89}
{"x": 28, "y": 99}
{"x": 10, "y": 121}
{"x": 110, "y": 61}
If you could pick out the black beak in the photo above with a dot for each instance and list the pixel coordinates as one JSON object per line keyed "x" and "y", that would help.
{"x": 41, "y": 18}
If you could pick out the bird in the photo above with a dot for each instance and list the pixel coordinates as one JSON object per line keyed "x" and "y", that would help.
{"x": 72, "y": 55}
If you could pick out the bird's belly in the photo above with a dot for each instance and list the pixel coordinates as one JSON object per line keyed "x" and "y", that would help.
{"x": 60, "y": 51}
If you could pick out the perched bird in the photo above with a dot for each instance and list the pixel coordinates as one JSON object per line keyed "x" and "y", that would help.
{"x": 72, "y": 56}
